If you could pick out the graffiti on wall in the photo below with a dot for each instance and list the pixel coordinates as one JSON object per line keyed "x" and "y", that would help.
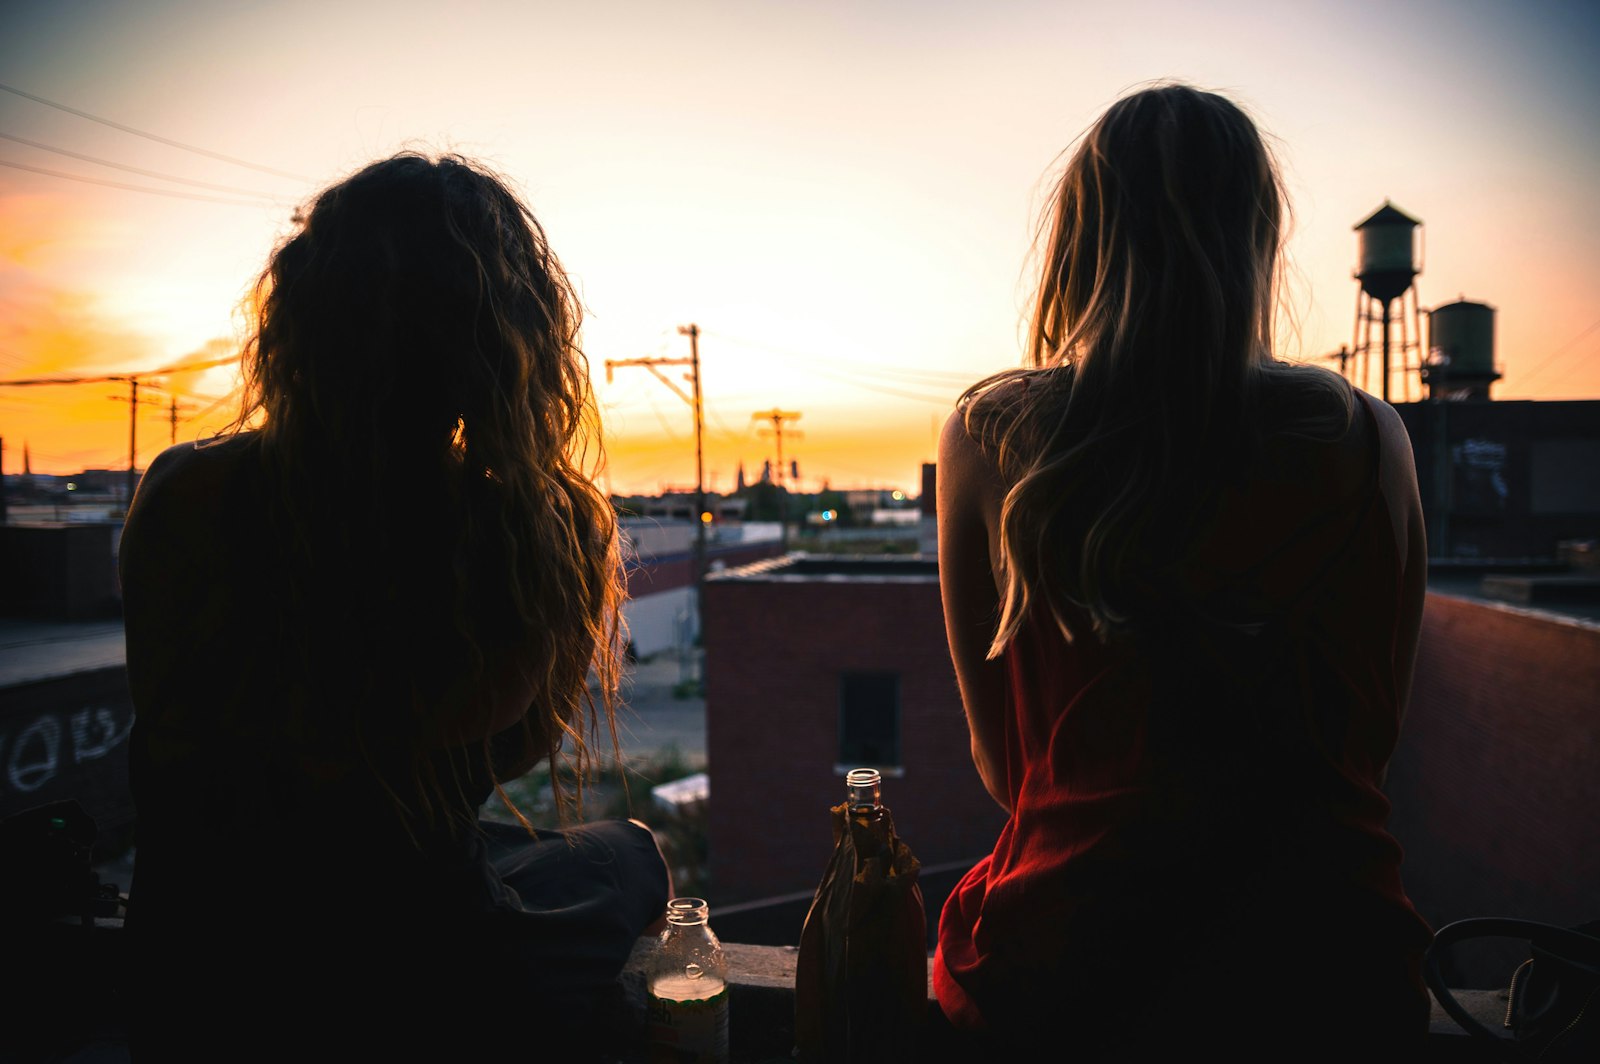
{"x": 54, "y": 743}
{"x": 1481, "y": 485}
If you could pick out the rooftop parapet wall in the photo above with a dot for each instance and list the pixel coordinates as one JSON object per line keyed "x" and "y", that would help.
{"x": 1494, "y": 787}
{"x": 1496, "y": 782}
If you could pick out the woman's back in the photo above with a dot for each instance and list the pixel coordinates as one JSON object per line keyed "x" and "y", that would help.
{"x": 245, "y": 735}
{"x": 272, "y": 864}
{"x": 1197, "y": 805}
{"x": 1182, "y": 584}
{"x": 348, "y": 623}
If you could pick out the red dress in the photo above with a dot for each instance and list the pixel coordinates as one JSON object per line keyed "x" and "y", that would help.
{"x": 1196, "y": 849}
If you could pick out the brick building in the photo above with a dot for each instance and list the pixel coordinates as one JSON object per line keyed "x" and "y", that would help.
{"x": 1506, "y": 480}
{"x": 815, "y": 665}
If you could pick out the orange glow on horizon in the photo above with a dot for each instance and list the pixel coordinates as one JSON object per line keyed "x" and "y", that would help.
{"x": 851, "y": 235}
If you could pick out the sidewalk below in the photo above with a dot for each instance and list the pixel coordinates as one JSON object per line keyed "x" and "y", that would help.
{"x": 652, "y": 720}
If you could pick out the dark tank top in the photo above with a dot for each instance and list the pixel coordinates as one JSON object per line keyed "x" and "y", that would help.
{"x": 279, "y": 885}
{"x": 1197, "y": 829}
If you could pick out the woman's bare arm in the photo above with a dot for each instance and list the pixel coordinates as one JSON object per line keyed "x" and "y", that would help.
{"x": 1398, "y": 481}
{"x": 970, "y": 494}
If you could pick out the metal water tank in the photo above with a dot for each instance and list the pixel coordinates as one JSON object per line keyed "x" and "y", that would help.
{"x": 1388, "y": 252}
{"x": 1461, "y": 340}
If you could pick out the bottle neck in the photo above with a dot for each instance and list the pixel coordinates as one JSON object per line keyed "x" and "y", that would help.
{"x": 687, "y": 913}
{"x": 865, "y": 786}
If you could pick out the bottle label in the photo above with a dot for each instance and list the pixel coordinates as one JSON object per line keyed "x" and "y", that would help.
{"x": 685, "y": 1029}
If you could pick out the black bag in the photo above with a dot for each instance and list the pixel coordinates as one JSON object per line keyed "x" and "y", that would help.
{"x": 1554, "y": 1008}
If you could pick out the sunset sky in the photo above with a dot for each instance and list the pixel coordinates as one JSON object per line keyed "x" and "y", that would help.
{"x": 842, "y": 195}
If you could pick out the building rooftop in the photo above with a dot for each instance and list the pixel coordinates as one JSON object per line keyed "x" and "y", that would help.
{"x": 853, "y": 568}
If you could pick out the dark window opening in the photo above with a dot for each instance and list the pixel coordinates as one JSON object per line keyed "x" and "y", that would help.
{"x": 869, "y": 719}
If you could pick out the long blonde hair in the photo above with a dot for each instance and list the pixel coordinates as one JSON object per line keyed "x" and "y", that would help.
{"x": 428, "y": 442}
{"x": 1150, "y": 362}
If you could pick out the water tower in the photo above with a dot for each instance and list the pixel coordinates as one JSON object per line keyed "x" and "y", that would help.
{"x": 1460, "y": 363}
{"x": 1388, "y": 268}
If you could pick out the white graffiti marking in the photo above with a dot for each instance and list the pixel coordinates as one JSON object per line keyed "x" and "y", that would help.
{"x": 36, "y": 757}
{"x": 106, "y": 737}
{"x": 26, "y": 771}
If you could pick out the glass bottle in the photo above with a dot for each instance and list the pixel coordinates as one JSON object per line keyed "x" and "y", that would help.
{"x": 688, "y": 989}
{"x": 866, "y": 792}
{"x": 862, "y": 972}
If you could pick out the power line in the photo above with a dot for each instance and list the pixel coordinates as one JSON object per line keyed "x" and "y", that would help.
{"x": 937, "y": 400}
{"x": 221, "y": 399}
{"x": 661, "y": 419}
{"x": 187, "y": 367}
{"x": 182, "y": 367}
{"x": 155, "y": 136}
{"x": 1563, "y": 349}
{"x": 917, "y": 376}
{"x": 927, "y": 376}
{"x": 172, "y": 192}
{"x": 138, "y": 170}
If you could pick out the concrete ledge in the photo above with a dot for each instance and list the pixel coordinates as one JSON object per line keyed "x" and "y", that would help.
{"x": 761, "y": 1008}
{"x": 761, "y": 1011}
{"x": 1543, "y": 590}
{"x": 760, "y": 999}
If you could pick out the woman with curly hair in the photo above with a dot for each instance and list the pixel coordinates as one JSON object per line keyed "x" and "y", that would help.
{"x": 349, "y": 622}
{"x": 1183, "y": 585}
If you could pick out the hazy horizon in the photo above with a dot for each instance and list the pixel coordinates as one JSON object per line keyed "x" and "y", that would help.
{"x": 842, "y": 196}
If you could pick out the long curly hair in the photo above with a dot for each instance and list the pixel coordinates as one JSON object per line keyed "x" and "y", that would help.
{"x": 428, "y": 441}
{"x": 1150, "y": 377}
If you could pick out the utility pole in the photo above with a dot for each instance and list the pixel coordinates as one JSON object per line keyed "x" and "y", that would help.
{"x": 133, "y": 439}
{"x": 695, "y": 402}
{"x": 133, "y": 402}
{"x": 172, "y": 418}
{"x": 778, "y": 417}
{"x": 692, "y": 331}
{"x": 132, "y": 379}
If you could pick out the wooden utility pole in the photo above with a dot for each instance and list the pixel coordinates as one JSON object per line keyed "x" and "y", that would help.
{"x": 133, "y": 401}
{"x": 701, "y": 518}
{"x": 778, "y": 417}
{"x": 133, "y": 439}
{"x": 172, "y": 418}
{"x": 694, "y": 400}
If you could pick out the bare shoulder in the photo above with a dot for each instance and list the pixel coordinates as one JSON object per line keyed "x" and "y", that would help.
{"x": 1398, "y": 469}
{"x": 187, "y": 467}
{"x": 1397, "y": 480}
{"x": 972, "y": 432}
{"x": 956, "y": 445}
{"x": 968, "y": 478}
{"x": 1390, "y": 428}
{"x": 180, "y": 490}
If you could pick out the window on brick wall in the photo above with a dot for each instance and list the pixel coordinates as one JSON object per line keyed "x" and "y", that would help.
{"x": 869, "y": 719}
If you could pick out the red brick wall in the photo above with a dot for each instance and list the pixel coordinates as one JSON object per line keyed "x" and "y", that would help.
{"x": 1496, "y": 784}
{"x": 774, "y": 652}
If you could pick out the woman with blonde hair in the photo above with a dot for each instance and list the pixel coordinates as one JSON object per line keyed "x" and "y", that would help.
{"x": 1183, "y": 584}
{"x": 350, "y": 623}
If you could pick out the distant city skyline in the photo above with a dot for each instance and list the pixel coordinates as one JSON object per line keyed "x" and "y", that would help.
{"x": 843, "y": 196}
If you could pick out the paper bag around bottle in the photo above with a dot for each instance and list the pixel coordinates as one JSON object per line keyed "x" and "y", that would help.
{"x": 861, "y": 979}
